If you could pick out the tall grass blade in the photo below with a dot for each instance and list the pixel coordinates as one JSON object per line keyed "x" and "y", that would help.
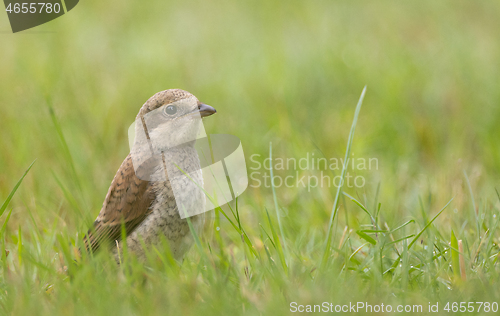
{"x": 276, "y": 199}
{"x": 362, "y": 207}
{"x": 7, "y": 201}
{"x": 326, "y": 252}
{"x": 399, "y": 227}
{"x": 64, "y": 145}
{"x": 277, "y": 243}
{"x": 455, "y": 263}
{"x": 476, "y": 217}
{"x": 71, "y": 199}
{"x": 4, "y": 226}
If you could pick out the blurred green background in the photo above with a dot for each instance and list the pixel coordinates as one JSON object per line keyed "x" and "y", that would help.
{"x": 286, "y": 72}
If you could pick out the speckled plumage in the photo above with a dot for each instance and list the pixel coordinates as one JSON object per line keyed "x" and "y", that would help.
{"x": 148, "y": 209}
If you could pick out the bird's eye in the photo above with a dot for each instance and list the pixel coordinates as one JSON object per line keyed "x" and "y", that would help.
{"x": 171, "y": 110}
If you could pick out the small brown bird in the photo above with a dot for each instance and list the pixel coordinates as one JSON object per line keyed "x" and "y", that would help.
{"x": 141, "y": 195}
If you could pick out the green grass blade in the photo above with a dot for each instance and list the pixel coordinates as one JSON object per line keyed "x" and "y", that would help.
{"x": 351, "y": 257}
{"x": 71, "y": 199}
{"x": 65, "y": 146}
{"x": 4, "y": 226}
{"x": 396, "y": 262}
{"x": 269, "y": 237}
{"x": 66, "y": 251}
{"x": 335, "y": 207}
{"x": 400, "y": 239}
{"x": 366, "y": 237}
{"x": 276, "y": 199}
{"x": 399, "y": 227}
{"x": 7, "y": 201}
{"x": 277, "y": 243}
{"x": 405, "y": 267}
{"x": 455, "y": 263}
{"x": 193, "y": 231}
{"x": 20, "y": 245}
{"x": 428, "y": 224}
{"x": 476, "y": 217}
{"x": 361, "y": 206}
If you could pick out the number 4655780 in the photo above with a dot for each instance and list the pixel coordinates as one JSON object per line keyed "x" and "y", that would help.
{"x": 33, "y": 8}
{"x": 471, "y": 307}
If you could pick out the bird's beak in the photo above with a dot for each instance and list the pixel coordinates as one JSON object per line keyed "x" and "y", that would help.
{"x": 206, "y": 110}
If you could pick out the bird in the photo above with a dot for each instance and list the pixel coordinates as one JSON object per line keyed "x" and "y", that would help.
{"x": 148, "y": 187}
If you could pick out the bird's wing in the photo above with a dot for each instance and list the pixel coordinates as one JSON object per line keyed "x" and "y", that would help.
{"x": 128, "y": 202}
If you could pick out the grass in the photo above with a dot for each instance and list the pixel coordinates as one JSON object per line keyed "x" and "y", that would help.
{"x": 286, "y": 73}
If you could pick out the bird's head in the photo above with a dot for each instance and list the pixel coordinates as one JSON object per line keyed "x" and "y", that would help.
{"x": 172, "y": 118}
